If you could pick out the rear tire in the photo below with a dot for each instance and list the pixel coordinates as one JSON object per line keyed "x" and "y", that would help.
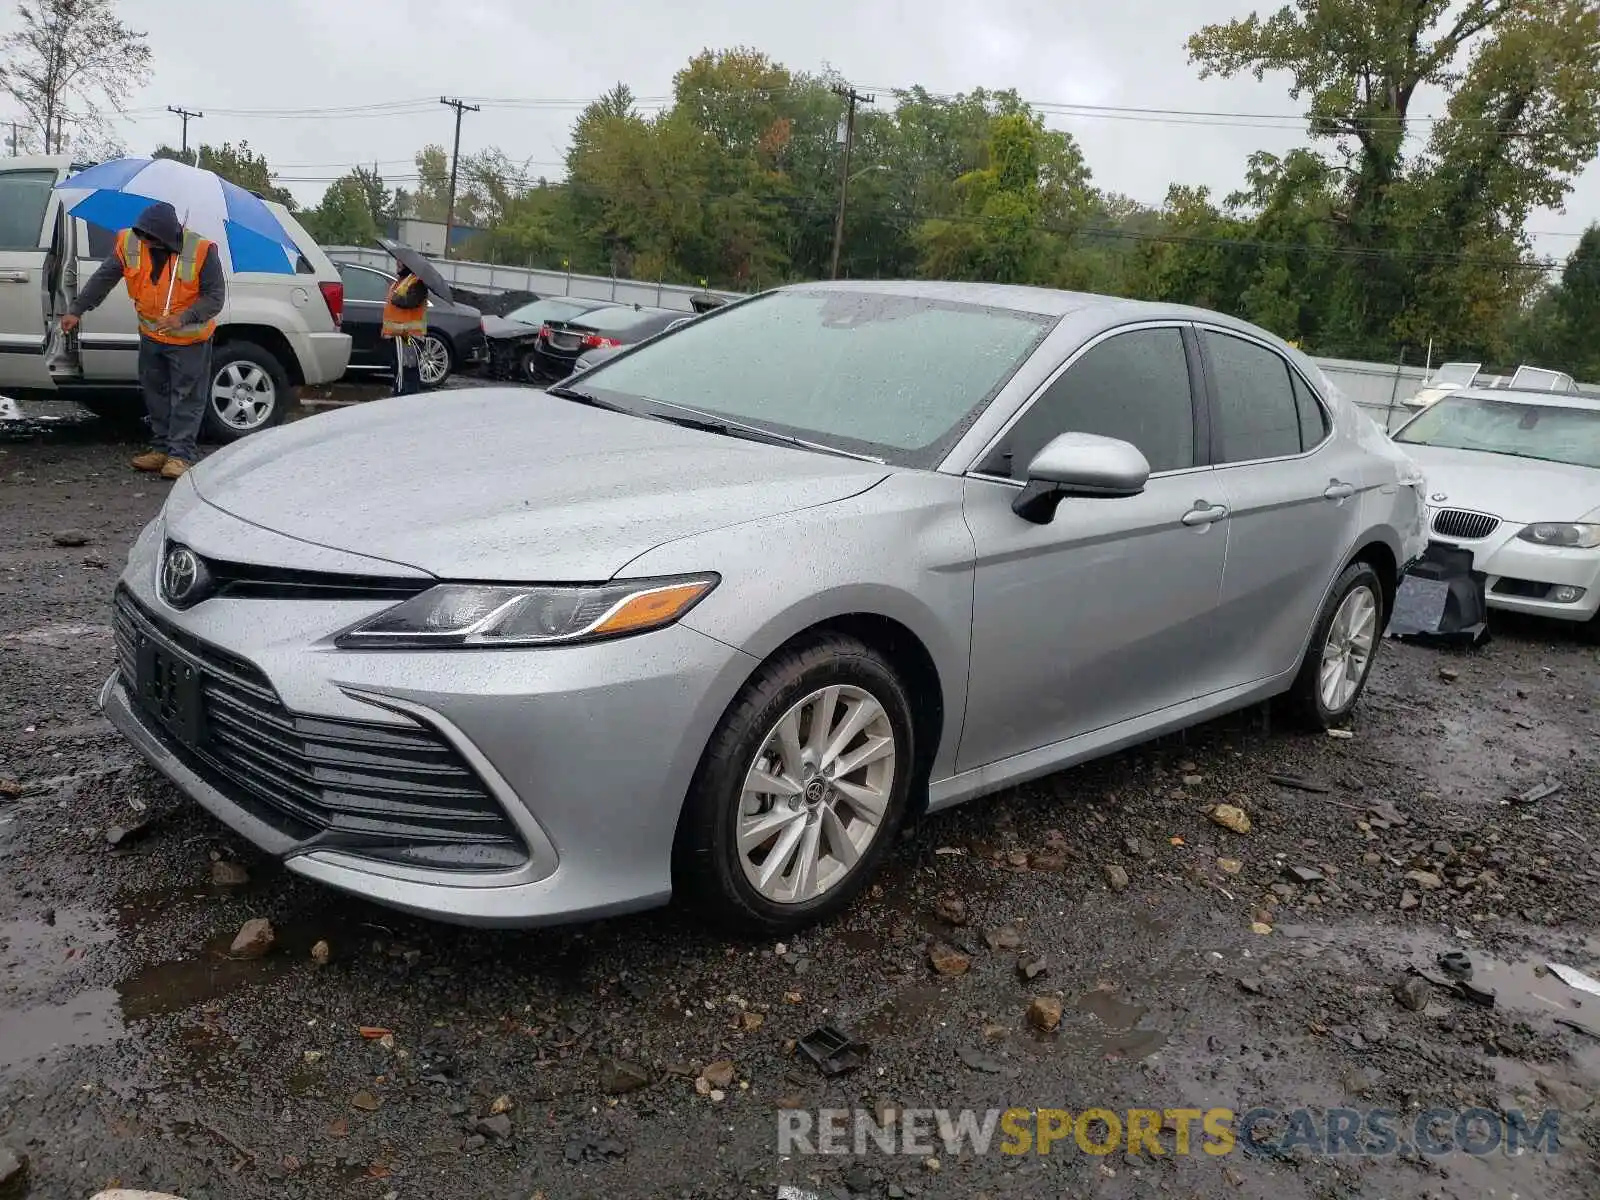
{"x": 1344, "y": 643}
{"x": 248, "y": 391}
{"x": 825, "y": 843}
{"x": 528, "y": 369}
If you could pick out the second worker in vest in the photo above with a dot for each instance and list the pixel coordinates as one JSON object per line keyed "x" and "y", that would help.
{"x": 177, "y": 286}
{"x": 405, "y": 319}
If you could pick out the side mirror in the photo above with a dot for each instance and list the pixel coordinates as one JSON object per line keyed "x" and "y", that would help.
{"x": 1080, "y": 464}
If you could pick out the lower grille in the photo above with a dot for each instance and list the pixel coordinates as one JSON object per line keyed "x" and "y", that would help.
{"x": 1459, "y": 523}
{"x": 394, "y": 792}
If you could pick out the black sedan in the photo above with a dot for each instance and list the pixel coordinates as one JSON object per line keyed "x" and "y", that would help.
{"x": 454, "y": 339}
{"x": 512, "y": 337}
{"x": 560, "y": 342}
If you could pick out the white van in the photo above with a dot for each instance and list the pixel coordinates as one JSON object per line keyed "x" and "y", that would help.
{"x": 276, "y": 333}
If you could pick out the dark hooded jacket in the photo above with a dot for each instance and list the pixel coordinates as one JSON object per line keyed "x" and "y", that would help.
{"x": 163, "y": 233}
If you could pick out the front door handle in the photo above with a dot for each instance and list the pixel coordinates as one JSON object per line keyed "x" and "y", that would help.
{"x": 1339, "y": 491}
{"x": 1204, "y": 516}
{"x": 13, "y": 277}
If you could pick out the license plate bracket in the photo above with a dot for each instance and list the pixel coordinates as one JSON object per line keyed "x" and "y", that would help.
{"x": 168, "y": 688}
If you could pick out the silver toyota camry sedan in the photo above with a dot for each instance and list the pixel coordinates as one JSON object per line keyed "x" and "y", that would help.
{"x": 719, "y": 615}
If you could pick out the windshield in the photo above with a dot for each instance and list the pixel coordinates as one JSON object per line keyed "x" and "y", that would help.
{"x": 540, "y": 311}
{"x": 611, "y": 319}
{"x": 895, "y": 376}
{"x": 1454, "y": 375}
{"x": 1538, "y": 377}
{"x": 1542, "y": 431}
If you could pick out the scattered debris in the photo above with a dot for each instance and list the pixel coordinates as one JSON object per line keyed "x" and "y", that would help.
{"x": 947, "y": 960}
{"x": 1478, "y": 994}
{"x": 619, "y": 1077}
{"x": 1449, "y": 674}
{"x": 10, "y": 789}
{"x": 1044, "y": 1013}
{"x": 70, "y": 538}
{"x": 1384, "y": 815}
{"x": 1343, "y": 735}
{"x": 254, "y": 939}
{"x": 1229, "y": 866}
{"x": 229, "y": 874}
{"x": 14, "y": 1173}
{"x": 719, "y": 1074}
{"x": 1455, "y": 963}
{"x": 1575, "y": 978}
{"x": 832, "y": 1051}
{"x": 1426, "y": 880}
{"x": 502, "y": 1104}
{"x": 1230, "y": 816}
{"x": 1299, "y": 784}
{"x": 375, "y": 1033}
{"x": 321, "y": 952}
{"x": 952, "y": 910}
{"x": 1138, "y": 847}
{"x": 1003, "y": 937}
{"x": 1304, "y": 875}
{"x": 1408, "y": 900}
{"x": 497, "y": 1127}
{"x": 1250, "y": 984}
{"x": 366, "y": 1102}
{"x": 982, "y": 1063}
{"x": 1535, "y": 794}
{"x": 1116, "y": 877}
{"x": 118, "y": 836}
{"x": 1412, "y": 993}
{"x": 1260, "y": 927}
{"x": 1031, "y": 966}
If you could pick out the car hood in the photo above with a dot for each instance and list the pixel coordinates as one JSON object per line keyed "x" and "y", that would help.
{"x": 502, "y": 484}
{"x": 499, "y": 327}
{"x": 1513, "y": 489}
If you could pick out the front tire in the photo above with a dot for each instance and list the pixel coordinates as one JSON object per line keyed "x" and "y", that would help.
{"x": 800, "y": 791}
{"x": 249, "y": 391}
{"x": 1344, "y": 643}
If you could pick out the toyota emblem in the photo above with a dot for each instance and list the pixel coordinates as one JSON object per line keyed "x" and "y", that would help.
{"x": 179, "y": 574}
{"x": 1438, "y": 497}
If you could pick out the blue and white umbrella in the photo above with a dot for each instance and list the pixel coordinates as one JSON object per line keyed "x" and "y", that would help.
{"x": 116, "y": 192}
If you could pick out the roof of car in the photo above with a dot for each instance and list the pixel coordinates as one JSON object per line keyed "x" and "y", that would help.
{"x": 1531, "y": 396}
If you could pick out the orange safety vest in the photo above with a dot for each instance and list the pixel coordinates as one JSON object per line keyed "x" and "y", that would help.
{"x": 174, "y": 292}
{"x": 403, "y": 322}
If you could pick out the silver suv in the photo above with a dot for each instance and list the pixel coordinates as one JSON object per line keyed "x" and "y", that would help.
{"x": 276, "y": 332}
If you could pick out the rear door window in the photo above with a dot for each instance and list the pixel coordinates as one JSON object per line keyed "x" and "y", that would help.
{"x": 1256, "y": 413}
{"x": 361, "y": 284}
{"x": 24, "y": 197}
{"x": 1313, "y": 417}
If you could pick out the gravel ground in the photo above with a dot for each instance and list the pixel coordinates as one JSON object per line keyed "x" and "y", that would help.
{"x": 1194, "y": 967}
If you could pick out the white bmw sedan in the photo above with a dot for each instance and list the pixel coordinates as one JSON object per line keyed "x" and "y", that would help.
{"x": 1514, "y": 477}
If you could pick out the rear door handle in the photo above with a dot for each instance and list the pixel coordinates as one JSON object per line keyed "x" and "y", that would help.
{"x": 1339, "y": 491}
{"x": 13, "y": 277}
{"x": 1205, "y": 516}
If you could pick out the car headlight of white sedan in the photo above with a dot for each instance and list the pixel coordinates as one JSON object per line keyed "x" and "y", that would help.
{"x": 1564, "y": 534}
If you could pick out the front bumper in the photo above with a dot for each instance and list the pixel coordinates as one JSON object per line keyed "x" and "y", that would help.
{"x": 590, "y": 750}
{"x": 1523, "y": 577}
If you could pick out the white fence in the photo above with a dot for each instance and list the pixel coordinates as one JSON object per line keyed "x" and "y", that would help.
{"x": 1381, "y": 389}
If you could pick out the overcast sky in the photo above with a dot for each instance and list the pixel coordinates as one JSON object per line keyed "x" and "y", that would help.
{"x": 229, "y": 56}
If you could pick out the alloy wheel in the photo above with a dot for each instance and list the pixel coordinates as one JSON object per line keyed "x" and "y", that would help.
{"x": 433, "y": 361}
{"x": 1347, "y": 652}
{"x": 816, "y": 796}
{"x": 243, "y": 396}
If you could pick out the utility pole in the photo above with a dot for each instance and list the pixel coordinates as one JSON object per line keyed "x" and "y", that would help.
{"x": 455, "y": 158}
{"x": 14, "y": 140}
{"x": 851, "y": 98}
{"x": 187, "y": 116}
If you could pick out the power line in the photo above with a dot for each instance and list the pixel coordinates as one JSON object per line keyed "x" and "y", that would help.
{"x": 187, "y": 117}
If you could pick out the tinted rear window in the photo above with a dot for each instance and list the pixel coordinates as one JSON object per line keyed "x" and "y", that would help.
{"x": 616, "y": 318}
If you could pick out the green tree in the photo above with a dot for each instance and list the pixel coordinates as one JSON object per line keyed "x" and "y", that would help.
{"x": 344, "y": 216}
{"x": 237, "y": 164}
{"x": 1577, "y": 309}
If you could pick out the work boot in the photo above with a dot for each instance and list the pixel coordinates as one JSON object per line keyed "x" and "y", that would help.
{"x": 150, "y": 460}
{"x": 174, "y": 468}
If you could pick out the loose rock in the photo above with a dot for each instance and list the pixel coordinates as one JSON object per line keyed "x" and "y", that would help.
{"x": 229, "y": 874}
{"x": 719, "y": 1074}
{"x": 14, "y": 1174}
{"x": 366, "y": 1102}
{"x": 1412, "y": 993}
{"x": 321, "y": 952}
{"x": 618, "y": 1077}
{"x": 1230, "y": 816}
{"x": 1304, "y": 875}
{"x": 1138, "y": 847}
{"x": 1426, "y": 880}
{"x": 254, "y": 939}
{"x": 952, "y": 910}
{"x": 497, "y": 1126}
{"x": 1116, "y": 877}
{"x": 70, "y": 538}
{"x": 947, "y": 960}
{"x": 1045, "y": 1013}
{"x": 1408, "y": 901}
{"x": 1005, "y": 937}
{"x": 1031, "y": 966}
{"x": 1229, "y": 866}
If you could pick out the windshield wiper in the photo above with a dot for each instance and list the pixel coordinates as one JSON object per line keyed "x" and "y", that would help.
{"x": 693, "y": 418}
{"x": 589, "y": 398}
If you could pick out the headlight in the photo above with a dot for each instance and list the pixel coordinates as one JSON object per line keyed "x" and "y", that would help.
{"x": 461, "y": 614}
{"x": 1582, "y": 537}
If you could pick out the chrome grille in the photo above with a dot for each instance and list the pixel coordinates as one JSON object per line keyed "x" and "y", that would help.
{"x": 399, "y": 792}
{"x": 1467, "y": 526}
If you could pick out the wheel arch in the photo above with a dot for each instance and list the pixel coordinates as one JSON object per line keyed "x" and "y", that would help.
{"x": 269, "y": 339}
